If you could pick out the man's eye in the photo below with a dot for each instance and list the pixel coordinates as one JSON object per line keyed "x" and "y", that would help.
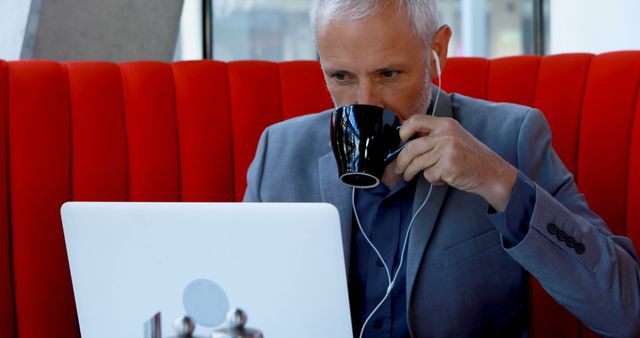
{"x": 340, "y": 76}
{"x": 388, "y": 74}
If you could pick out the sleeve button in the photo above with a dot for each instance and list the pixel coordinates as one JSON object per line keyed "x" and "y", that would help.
{"x": 562, "y": 236}
{"x": 580, "y": 249}
{"x": 552, "y": 228}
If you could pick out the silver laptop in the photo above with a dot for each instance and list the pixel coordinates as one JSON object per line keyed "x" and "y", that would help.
{"x": 282, "y": 263}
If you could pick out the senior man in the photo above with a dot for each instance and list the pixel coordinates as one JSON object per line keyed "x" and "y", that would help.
{"x": 499, "y": 202}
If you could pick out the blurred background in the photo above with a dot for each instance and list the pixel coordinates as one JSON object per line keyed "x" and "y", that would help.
{"x": 279, "y": 30}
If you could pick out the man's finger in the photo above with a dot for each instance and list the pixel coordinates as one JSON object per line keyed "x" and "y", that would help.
{"x": 421, "y": 163}
{"x": 413, "y": 149}
{"x": 417, "y": 124}
{"x": 434, "y": 174}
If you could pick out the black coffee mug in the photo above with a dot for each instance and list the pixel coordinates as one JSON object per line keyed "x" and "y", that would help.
{"x": 364, "y": 139}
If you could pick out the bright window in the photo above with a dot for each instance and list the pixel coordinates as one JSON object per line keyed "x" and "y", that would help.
{"x": 279, "y": 30}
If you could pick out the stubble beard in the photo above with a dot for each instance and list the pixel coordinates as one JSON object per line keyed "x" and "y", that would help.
{"x": 423, "y": 100}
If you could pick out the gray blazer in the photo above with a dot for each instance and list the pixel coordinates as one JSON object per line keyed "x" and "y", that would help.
{"x": 462, "y": 280}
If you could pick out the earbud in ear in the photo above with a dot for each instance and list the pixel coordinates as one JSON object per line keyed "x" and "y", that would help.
{"x": 437, "y": 60}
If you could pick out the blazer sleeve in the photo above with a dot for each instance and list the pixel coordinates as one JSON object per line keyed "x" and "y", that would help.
{"x": 256, "y": 170}
{"x": 568, "y": 248}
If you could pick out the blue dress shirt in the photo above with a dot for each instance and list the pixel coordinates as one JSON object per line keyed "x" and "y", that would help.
{"x": 384, "y": 215}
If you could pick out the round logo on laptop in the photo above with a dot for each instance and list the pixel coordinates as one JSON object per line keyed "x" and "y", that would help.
{"x": 205, "y": 302}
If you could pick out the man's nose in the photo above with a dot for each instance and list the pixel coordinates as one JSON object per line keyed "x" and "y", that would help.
{"x": 367, "y": 94}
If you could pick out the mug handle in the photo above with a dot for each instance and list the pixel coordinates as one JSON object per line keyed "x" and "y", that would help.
{"x": 394, "y": 154}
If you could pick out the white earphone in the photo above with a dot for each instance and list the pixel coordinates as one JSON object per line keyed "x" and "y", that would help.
{"x": 390, "y": 280}
{"x": 437, "y": 60}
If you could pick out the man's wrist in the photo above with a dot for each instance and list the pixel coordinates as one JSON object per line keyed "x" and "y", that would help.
{"x": 498, "y": 190}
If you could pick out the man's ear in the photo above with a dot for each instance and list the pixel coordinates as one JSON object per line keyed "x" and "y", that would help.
{"x": 440, "y": 44}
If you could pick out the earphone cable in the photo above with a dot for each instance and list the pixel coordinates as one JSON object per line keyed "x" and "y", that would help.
{"x": 391, "y": 282}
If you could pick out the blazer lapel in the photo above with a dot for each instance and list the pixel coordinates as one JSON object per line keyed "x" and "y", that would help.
{"x": 425, "y": 221}
{"x": 422, "y": 227}
{"x": 338, "y": 194}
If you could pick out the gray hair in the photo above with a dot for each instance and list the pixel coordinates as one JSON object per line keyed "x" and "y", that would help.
{"x": 422, "y": 13}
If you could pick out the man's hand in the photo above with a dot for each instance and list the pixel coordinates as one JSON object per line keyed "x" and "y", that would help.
{"x": 446, "y": 153}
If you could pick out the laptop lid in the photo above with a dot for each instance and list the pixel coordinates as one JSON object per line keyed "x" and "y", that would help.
{"x": 282, "y": 263}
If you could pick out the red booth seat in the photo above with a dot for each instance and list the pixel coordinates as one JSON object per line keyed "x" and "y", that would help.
{"x": 187, "y": 131}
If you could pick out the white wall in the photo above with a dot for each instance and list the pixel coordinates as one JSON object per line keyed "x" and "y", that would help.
{"x": 594, "y": 26}
{"x": 13, "y": 21}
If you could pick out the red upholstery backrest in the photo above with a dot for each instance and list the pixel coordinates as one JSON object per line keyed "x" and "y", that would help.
{"x": 97, "y": 115}
{"x": 204, "y": 131}
{"x": 187, "y": 131}
{"x": 152, "y": 131}
{"x": 559, "y": 94}
{"x": 467, "y": 76}
{"x": 605, "y": 132}
{"x": 40, "y": 181}
{"x": 302, "y": 89}
{"x": 513, "y": 79}
{"x": 7, "y": 319}
{"x": 255, "y": 104}
{"x": 633, "y": 189}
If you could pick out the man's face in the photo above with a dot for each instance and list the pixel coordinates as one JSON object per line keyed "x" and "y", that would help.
{"x": 376, "y": 60}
